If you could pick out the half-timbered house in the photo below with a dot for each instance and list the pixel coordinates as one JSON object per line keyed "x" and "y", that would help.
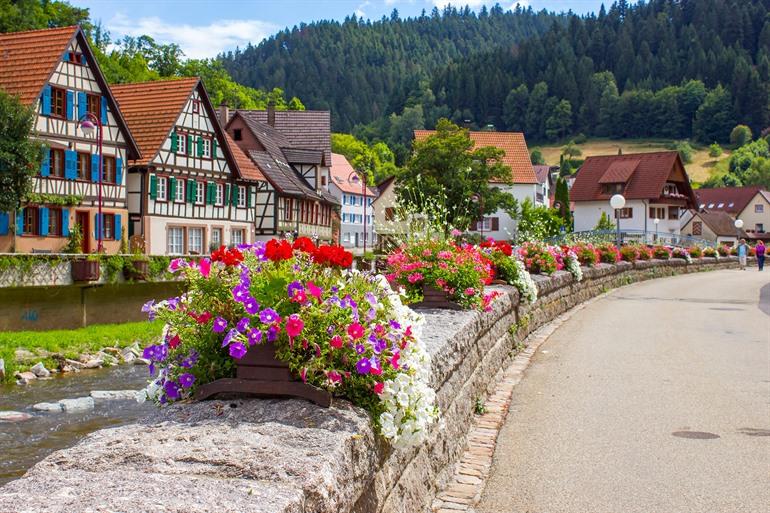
{"x": 193, "y": 189}
{"x": 54, "y": 71}
{"x": 292, "y": 149}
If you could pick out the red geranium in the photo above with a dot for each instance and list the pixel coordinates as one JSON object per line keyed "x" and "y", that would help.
{"x": 276, "y": 250}
{"x": 304, "y": 244}
{"x": 227, "y": 256}
{"x": 333, "y": 255}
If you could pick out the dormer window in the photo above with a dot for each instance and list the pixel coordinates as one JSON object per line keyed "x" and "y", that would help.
{"x": 613, "y": 188}
{"x": 76, "y": 58}
{"x": 196, "y": 106}
{"x": 670, "y": 189}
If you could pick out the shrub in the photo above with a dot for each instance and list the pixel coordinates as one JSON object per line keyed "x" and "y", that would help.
{"x": 710, "y": 252}
{"x": 645, "y": 252}
{"x": 696, "y": 251}
{"x": 608, "y": 253}
{"x": 629, "y": 253}
{"x": 586, "y": 253}
{"x": 740, "y": 136}
{"x": 715, "y": 150}
{"x": 580, "y": 138}
{"x": 661, "y": 253}
{"x": 538, "y": 258}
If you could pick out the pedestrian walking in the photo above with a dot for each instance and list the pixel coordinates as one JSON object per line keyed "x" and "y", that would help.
{"x": 760, "y": 250}
{"x": 743, "y": 251}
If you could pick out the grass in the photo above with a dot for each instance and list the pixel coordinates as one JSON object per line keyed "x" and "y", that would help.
{"x": 71, "y": 343}
{"x": 699, "y": 170}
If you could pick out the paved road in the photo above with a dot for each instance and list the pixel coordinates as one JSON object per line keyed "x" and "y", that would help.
{"x": 590, "y": 425}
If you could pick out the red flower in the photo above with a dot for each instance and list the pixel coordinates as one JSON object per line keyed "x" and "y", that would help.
{"x": 276, "y": 250}
{"x": 304, "y": 244}
{"x": 355, "y": 330}
{"x": 379, "y": 387}
{"x": 332, "y": 256}
{"x": 227, "y": 256}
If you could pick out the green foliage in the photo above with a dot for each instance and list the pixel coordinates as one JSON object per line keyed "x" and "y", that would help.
{"x": 447, "y": 164}
{"x": 16, "y": 15}
{"x": 740, "y": 136}
{"x": 74, "y": 240}
{"x": 715, "y": 150}
{"x": 748, "y": 165}
{"x": 537, "y": 223}
{"x": 536, "y": 156}
{"x": 714, "y": 116}
{"x": 20, "y": 155}
{"x": 54, "y": 199}
{"x": 377, "y": 161}
{"x": 559, "y": 123}
{"x": 605, "y": 223}
{"x": 571, "y": 150}
{"x": 561, "y": 196}
{"x": 684, "y": 149}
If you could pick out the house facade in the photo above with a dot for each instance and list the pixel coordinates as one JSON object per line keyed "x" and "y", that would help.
{"x": 54, "y": 72}
{"x": 655, "y": 186}
{"x": 524, "y": 183}
{"x": 191, "y": 191}
{"x": 357, "y": 221}
{"x": 387, "y": 227}
{"x": 749, "y": 204}
{"x": 292, "y": 150}
{"x": 717, "y": 227}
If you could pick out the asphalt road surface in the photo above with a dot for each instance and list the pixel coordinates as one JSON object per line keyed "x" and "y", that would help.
{"x": 653, "y": 399}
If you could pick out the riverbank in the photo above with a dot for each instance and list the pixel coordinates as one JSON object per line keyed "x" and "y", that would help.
{"x": 22, "y": 350}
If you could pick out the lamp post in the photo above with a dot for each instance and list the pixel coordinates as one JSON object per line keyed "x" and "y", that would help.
{"x": 88, "y": 123}
{"x": 738, "y": 225}
{"x": 478, "y": 199}
{"x": 617, "y": 202}
{"x": 656, "y": 221}
{"x": 353, "y": 178}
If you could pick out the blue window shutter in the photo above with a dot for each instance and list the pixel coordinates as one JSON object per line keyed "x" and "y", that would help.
{"x": 97, "y": 225}
{"x": 82, "y": 104}
{"x": 43, "y": 221}
{"x": 118, "y": 228}
{"x": 83, "y": 60}
{"x": 70, "y": 104}
{"x": 104, "y": 110}
{"x": 45, "y": 165}
{"x": 47, "y": 100}
{"x": 66, "y": 56}
{"x": 4, "y": 220}
{"x": 118, "y": 170}
{"x": 70, "y": 164}
{"x": 94, "y": 168}
{"x": 65, "y": 222}
{"x": 20, "y": 221}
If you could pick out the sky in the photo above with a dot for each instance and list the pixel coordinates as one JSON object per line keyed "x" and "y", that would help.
{"x": 205, "y": 28}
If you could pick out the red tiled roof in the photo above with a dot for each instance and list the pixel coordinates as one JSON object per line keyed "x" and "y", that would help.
{"x": 248, "y": 169}
{"x": 719, "y": 222}
{"x": 619, "y": 171}
{"x": 27, "y": 59}
{"x": 732, "y": 200}
{"x": 152, "y": 108}
{"x": 512, "y": 143}
{"x": 340, "y": 170}
{"x": 650, "y": 173}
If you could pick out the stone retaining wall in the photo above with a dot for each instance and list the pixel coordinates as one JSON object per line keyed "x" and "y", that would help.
{"x": 289, "y": 456}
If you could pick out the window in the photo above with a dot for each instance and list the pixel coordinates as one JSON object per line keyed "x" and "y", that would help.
{"x": 670, "y": 190}
{"x": 161, "y": 195}
{"x": 94, "y": 104}
{"x": 108, "y": 171}
{"x": 216, "y": 237}
{"x": 673, "y": 212}
{"x": 657, "y": 212}
{"x": 196, "y": 106}
{"x": 711, "y": 205}
{"x": 220, "y": 196}
{"x": 207, "y": 148}
{"x": 195, "y": 241}
{"x": 759, "y": 227}
{"x": 57, "y": 163}
{"x": 721, "y": 205}
{"x": 181, "y": 143}
{"x": 76, "y": 58}
{"x": 289, "y": 209}
{"x": 344, "y": 218}
{"x": 84, "y": 166}
{"x": 237, "y": 134}
{"x": 759, "y": 208}
{"x": 109, "y": 226}
{"x": 241, "y": 196}
{"x": 54, "y": 222}
{"x": 697, "y": 228}
{"x": 390, "y": 213}
{"x": 175, "y": 241}
{"x": 58, "y": 102}
{"x": 612, "y": 188}
{"x": 200, "y": 192}
{"x": 346, "y": 237}
{"x": 236, "y": 236}
{"x": 179, "y": 190}
{"x": 626, "y": 213}
{"x": 323, "y": 180}
{"x": 30, "y": 221}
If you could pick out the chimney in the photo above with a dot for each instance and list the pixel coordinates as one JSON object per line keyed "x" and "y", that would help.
{"x": 224, "y": 113}
{"x": 271, "y": 113}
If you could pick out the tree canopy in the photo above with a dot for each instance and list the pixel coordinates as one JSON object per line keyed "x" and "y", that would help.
{"x": 20, "y": 155}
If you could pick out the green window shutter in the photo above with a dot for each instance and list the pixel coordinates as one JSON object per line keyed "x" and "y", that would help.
{"x": 227, "y": 194}
{"x": 200, "y": 146}
{"x": 235, "y": 196}
{"x": 210, "y": 193}
{"x": 153, "y": 187}
{"x": 213, "y": 148}
{"x": 174, "y": 141}
{"x": 172, "y": 188}
{"x": 190, "y": 191}
{"x": 248, "y": 197}
{"x": 189, "y": 144}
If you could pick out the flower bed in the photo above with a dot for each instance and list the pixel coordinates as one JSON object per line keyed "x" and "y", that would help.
{"x": 586, "y": 253}
{"x": 509, "y": 268}
{"x": 342, "y": 331}
{"x": 608, "y": 253}
{"x": 661, "y": 253}
{"x": 711, "y": 253}
{"x": 539, "y": 258}
{"x": 696, "y": 251}
{"x": 681, "y": 253}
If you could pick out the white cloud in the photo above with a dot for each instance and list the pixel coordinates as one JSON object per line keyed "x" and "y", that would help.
{"x": 475, "y": 4}
{"x": 360, "y": 9}
{"x": 196, "y": 41}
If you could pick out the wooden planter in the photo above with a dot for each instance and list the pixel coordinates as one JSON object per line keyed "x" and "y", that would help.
{"x": 435, "y": 298}
{"x": 137, "y": 270}
{"x": 85, "y": 270}
{"x": 259, "y": 373}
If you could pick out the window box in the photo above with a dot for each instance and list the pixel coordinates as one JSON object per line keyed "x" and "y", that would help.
{"x": 435, "y": 298}
{"x": 85, "y": 270}
{"x": 136, "y": 269}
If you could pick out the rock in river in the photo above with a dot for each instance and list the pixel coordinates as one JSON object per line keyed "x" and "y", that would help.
{"x": 39, "y": 370}
{"x": 14, "y": 416}
{"x": 77, "y": 404}
{"x": 48, "y": 407}
{"x": 114, "y": 395}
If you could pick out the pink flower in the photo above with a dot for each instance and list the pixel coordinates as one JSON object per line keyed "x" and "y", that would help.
{"x": 334, "y": 376}
{"x": 336, "y": 342}
{"x": 177, "y": 264}
{"x": 394, "y": 360}
{"x": 455, "y": 232}
{"x": 355, "y": 331}
{"x": 299, "y": 297}
{"x": 441, "y": 282}
{"x": 470, "y": 291}
{"x": 378, "y": 388}
{"x": 314, "y": 290}
{"x": 294, "y": 325}
{"x": 445, "y": 254}
{"x": 426, "y": 252}
{"x": 205, "y": 267}
{"x": 303, "y": 374}
{"x": 415, "y": 277}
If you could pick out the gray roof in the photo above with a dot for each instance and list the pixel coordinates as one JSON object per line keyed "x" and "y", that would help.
{"x": 309, "y": 129}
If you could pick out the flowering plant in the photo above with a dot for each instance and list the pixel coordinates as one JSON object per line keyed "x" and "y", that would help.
{"x": 608, "y": 253}
{"x": 343, "y": 331}
{"x": 460, "y": 270}
{"x": 645, "y": 252}
{"x": 572, "y": 263}
{"x": 629, "y": 253}
{"x": 711, "y": 252}
{"x": 586, "y": 253}
{"x": 538, "y": 258}
{"x": 723, "y": 250}
{"x": 682, "y": 253}
{"x": 509, "y": 268}
{"x": 661, "y": 253}
{"x": 696, "y": 251}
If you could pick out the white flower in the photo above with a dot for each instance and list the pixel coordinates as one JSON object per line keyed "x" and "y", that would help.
{"x": 572, "y": 265}
{"x": 524, "y": 282}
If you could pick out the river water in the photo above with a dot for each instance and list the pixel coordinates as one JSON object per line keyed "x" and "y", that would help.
{"x": 22, "y": 444}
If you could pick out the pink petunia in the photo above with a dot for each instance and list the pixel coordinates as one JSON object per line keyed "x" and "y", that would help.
{"x": 294, "y": 325}
{"x": 355, "y": 331}
{"x": 379, "y": 387}
{"x": 336, "y": 342}
{"x": 205, "y": 267}
{"x": 314, "y": 290}
{"x": 415, "y": 277}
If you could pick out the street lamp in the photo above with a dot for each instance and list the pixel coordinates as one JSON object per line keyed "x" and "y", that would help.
{"x": 656, "y": 221}
{"x": 353, "y": 178}
{"x": 478, "y": 199}
{"x": 88, "y": 123}
{"x": 738, "y": 225}
{"x": 617, "y": 202}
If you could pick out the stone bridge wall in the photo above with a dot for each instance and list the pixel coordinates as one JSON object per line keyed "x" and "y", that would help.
{"x": 289, "y": 456}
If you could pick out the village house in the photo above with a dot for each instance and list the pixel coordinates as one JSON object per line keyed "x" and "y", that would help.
{"x": 546, "y": 184}
{"x": 500, "y": 225}
{"x": 655, "y": 186}
{"x": 193, "y": 190}
{"x": 749, "y": 204}
{"x": 292, "y": 149}
{"x": 716, "y": 227}
{"x": 54, "y": 72}
{"x": 357, "y": 212}
{"x": 387, "y": 226}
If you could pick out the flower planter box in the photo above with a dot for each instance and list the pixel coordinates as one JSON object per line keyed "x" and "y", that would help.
{"x": 85, "y": 270}
{"x": 136, "y": 270}
{"x": 435, "y": 298}
{"x": 259, "y": 373}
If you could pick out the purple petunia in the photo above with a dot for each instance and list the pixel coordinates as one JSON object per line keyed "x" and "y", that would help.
{"x": 380, "y": 346}
{"x": 371, "y": 314}
{"x": 251, "y": 305}
{"x": 240, "y": 293}
{"x": 363, "y": 366}
{"x": 360, "y": 349}
{"x": 294, "y": 287}
{"x": 272, "y": 333}
{"x": 156, "y": 353}
{"x": 186, "y": 380}
{"x": 395, "y": 325}
{"x": 149, "y": 310}
{"x": 230, "y": 336}
{"x": 255, "y": 337}
{"x": 268, "y": 316}
{"x": 237, "y": 350}
{"x": 219, "y": 325}
{"x": 370, "y": 298}
{"x": 172, "y": 303}
{"x": 171, "y": 389}
{"x": 242, "y": 325}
